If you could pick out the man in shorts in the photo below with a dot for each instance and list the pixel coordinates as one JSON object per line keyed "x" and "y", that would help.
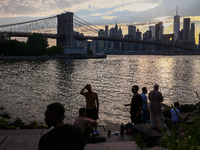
{"x": 92, "y": 102}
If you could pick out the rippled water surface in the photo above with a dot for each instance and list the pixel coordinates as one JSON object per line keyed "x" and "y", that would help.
{"x": 27, "y": 87}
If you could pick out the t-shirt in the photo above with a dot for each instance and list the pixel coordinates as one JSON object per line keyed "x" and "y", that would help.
{"x": 136, "y": 103}
{"x": 174, "y": 115}
{"x": 144, "y": 100}
{"x": 61, "y": 138}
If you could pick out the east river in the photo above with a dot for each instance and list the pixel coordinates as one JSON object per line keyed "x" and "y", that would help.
{"x": 27, "y": 87}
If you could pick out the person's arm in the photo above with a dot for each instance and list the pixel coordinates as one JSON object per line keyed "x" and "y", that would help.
{"x": 82, "y": 91}
{"x": 150, "y": 96}
{"x": 127, "y": 104}
{"x": 161, "y": 97}
{"x": 97, "y": 100}
{"x": 90, "y": 121}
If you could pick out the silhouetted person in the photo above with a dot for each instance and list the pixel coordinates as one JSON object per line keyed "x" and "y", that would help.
{"x": 136, "y": 105}
{"x": 156, "y": 117}
{"x": 174, "y": 111}
{"x": 145, "y": 108}
{"x": 92, "y": 102}
{"x": 62, "y": 136}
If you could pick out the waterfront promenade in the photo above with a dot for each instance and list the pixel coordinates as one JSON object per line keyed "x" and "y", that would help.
{"x": 28, "y": 139}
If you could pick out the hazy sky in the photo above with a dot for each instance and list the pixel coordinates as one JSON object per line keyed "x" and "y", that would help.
{"x": 101, "y": 12}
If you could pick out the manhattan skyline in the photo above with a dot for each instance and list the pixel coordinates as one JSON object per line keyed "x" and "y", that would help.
{"x": 142, "y": 14}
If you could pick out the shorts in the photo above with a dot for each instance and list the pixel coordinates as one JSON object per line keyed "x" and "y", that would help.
{"x": 93, "y": 113}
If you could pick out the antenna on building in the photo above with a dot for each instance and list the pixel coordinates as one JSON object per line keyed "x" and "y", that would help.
{"x": 176, "y": 10}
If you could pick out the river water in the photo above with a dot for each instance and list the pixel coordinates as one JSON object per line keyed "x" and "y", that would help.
{"x": 27, "y": 87}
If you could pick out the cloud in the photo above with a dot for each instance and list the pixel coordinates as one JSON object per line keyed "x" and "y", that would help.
{"x": 109, "y": 17}
{"x": 40, "y": 8}
{"x": 192, "y": 18}
{"x": 97, "y": 14}
{"x": 136, "y": 7}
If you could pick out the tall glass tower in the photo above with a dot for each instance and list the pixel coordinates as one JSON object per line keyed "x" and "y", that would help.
{"x": 176, "y": 25}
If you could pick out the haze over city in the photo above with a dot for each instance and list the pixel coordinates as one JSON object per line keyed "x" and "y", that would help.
{"x": 106, "y": 12}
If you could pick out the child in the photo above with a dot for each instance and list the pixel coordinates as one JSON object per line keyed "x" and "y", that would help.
{"x": 175, "y": 118}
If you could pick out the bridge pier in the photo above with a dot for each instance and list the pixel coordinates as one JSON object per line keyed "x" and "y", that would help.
{"x": 65, "y": 29}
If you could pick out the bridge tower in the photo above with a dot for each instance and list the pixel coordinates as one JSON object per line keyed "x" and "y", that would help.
{"x": 65, "y": 29}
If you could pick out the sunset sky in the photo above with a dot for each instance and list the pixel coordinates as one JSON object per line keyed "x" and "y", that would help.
{"x": 142, "y": 13}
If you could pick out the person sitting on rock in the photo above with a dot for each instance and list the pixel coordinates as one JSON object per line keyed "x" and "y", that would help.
{"x": 86, "y": 124}
{"x": 174, "y": 111}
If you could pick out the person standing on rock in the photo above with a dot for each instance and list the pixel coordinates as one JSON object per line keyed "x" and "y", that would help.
{"x": 136, "y": 105}
{"x": 156, "y": 117}
{"x": 145, "y": 108}
{"x": 92, "y": 102}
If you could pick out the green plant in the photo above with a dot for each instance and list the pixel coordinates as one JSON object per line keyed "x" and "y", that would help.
{"x": 139, "y": 140}
{"x": 184, "y": 136}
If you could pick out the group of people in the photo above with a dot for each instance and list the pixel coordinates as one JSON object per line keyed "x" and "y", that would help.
{"x": 74, "y": 136}
{"x": 139, "y": 104}
{"x": 140, "y": 110}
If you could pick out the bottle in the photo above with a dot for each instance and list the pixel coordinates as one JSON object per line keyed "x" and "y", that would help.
{"x": 122, "y": 129}
{"x": 109, "y": 131}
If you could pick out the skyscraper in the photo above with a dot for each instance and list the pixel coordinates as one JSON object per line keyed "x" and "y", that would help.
{"x": 131, "y": 36}
{"x": 106, "y": 30}
{"x": 192, "y": 35}
{"x": 101, "y": 33}
{"x": 152, "y": 29}
{"x": 186, "y": 29}
{"x": 199, "y": 41}
{"x": 132, "y": 31}
{"x": 176, "y": 25}
{"x": 159, "y": 31}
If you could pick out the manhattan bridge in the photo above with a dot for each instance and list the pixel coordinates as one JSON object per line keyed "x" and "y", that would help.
{"x": 63, "y": 27}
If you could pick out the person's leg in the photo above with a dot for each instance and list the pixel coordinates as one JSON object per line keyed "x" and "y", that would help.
{"x": 160, "y": 121}
{"x": 153, "y": 122}
{"x": 144, "y": 115}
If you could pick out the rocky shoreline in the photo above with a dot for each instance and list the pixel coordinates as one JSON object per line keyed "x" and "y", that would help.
{"x": 186, "y": 112}
{"x": 6, "y": 123}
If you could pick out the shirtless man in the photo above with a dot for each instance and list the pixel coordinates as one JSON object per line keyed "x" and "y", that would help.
{"x": 86, "y": 124}
{"x": 92, "y": 102}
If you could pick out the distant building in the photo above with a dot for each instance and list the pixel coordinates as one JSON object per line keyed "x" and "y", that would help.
{"x": 101, "y": 33}
{"x": 159, "y": 31}
{"x": 176, "y": 25}
{"x": 106, "y": 32}
{"x": 131, "y": 36}
{"x": 186, "y": 30}
{"x": 152, "y": 29}
{"x": 132, "y": 31}
{"x": 199, "y": 41}
{"x": 180, "y": 35}
{"x": 147, "y": 36}
{"x": 138, "y": 37}
{"x": 111, "y": 35}
{"x": 192, "y": 33}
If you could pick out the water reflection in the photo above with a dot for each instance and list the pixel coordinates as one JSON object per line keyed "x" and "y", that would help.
{"x": 27, "y": 87}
